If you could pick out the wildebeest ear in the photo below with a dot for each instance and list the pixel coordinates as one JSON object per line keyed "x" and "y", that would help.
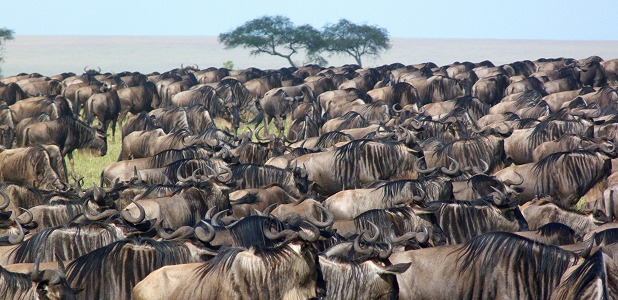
{"x": 395, "y": 269}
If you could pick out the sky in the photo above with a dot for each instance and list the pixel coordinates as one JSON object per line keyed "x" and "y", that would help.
{"x": 493, "y": 19}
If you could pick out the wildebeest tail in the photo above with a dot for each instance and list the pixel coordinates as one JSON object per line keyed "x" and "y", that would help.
{"x": 258, "y": 119}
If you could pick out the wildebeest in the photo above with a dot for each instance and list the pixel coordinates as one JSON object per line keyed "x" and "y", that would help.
{"x": 137, "y": 99}
{"x": 493, "y": 265}
{"x": 357, "y": 163}
{"x": 31, "y": 165}
{"x": 105, "y": 107}
{"x": 68, "y": 134}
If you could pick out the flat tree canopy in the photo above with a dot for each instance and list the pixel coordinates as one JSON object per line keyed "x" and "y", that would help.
{"x": 5, "y": 34}
{"x": 273, "y": 35}
{"x": 346, "y": 37}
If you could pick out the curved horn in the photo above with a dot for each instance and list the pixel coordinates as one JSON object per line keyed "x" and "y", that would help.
{"x": 269, "y": 209}
{"x": 386, "y": 253}
{"x": 477, "y": 171}
{"x": 376, "y": 233}
{"x": 215, "y": 219}
{"x": 15, "y": 239}
{"x": 89, "y": 215}
{"x": 586, "y": 252}
{"x": 99, "y": 69}
{"x": 180, "y": 178}
{"x": 422, "y": 237}
{"x": 6, "y": 198}
{"x": 85, "y": 69}
{"x": 30, "y": 216}
{"x": 315, "y": 233}
{"x": 140, "y": 218}
{"x": 226, "y": 170}
{"x": 395, "y": 109}
{"x": 287, "y": 233}
{"x": 98, "y": 193}
{"x": 417, "y": 168}
{"x": 205, "y": 235}
{"x": 499, "y": 129}
{"x": 607, "y": 147}
{"x": 36, "y": 275}
{"x": 357, "y": 245}
{"x": 294, "y": 140}
{"x": 501, "y": 194}
{"x": 419, "y": 199}
{"x": 416, "y": 124}
{"x": 400, "y": 239}
{"x": 330, "y": 218}
{"x": 208, "y": 214}
{"x": 179, "y": 233}
{"x": 511, "y": 183}
{"x": 450, "y": 171}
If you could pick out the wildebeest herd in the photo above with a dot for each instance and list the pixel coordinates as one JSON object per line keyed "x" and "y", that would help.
{"x": 463, "y": 181}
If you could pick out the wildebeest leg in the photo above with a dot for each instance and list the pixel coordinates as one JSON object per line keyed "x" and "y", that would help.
{"x": 280, "y": 123}
{"x": 266, "y": 124}
{"x": 72, "y": 163}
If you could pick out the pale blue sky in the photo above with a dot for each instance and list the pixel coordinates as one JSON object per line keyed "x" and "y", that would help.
{"x": 495, "y": 19}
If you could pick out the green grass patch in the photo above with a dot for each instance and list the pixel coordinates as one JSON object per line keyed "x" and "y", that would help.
{"x": 90, "y": 167}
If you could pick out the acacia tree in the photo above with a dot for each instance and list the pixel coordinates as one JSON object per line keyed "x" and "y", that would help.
{"x": 5, "y": 34}
{"x": 346, "y": 37}
{"x": 275, "y": 36}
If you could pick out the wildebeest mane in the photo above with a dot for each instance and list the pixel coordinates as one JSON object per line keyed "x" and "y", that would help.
{"x": 248, "y": 232}
{"x": 186, "y": 167}
{"x": 351, "y": 119}
{"x": 331, "y": 138}
{"x": 552, "y": 129}
{"x": 63, "y": 212}
{"x": 160, "y": 190}
{"x": 166, "y": 157}
{"x": 590, "y": 279}
{"x": 534, "y": 267}
{"x": 16, "y": 284}
{"x": 256, "y": 176}
{"x": 401, "y": 188}
{"x": 67, "y": 243}
{"x": 112, "y": 271}
{"x": 376, "y": 156}
{"x": 223, "y": 261}
{"x": 577, "y": 168}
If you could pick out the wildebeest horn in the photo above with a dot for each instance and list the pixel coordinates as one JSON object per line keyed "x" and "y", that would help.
{"x": 179, "y": 177}
{"x": 315, "y": 233}
{"x": 96, "y": 217}
{"x": 140, "y": 218}
{"x": 269, "y": 209}
{"x": 35, "y": 275}
{"x": 501, "y": 196}
{"x": 330, "y": 218}
{"x": 395, "y": 109}
{"x": 15, "y": 239}
{"x": 225, "y": 170}
{"x": 586, "y": 252}
{"x": 423, "y": 237}
{"x": 376, "y": 233}
{"x": 417, "y": 167}
{"x": 208, "y": 214}
{"x": 449, "y": 171}
{"x": 476, "y": 170}
{"x": 85, "y": 69}
{"x": 386, "y": 253}
{"x": 511, "y": 183}
{"x": 400, "y": 239}
{"x": 357, "y": 245}
{"x": 215, "y": 218}
{"x": 30, "y": 216}
{"x": 205, "y": 235}
{"x": 179, "y": 233}
{"x": 287, "y": 233}
{"x": 98, "y": 193}
{"x": 293, "y": 140}
{"x": 416, "y": 124}
{"x": 99, "y": 69}
{"x": 607, "y": 147}
{"x": 6, "y": 200}
{"x": 417, "y": 199}
{"x": 382, "y": 132}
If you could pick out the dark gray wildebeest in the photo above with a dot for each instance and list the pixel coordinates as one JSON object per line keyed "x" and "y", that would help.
{"x": 11, "y": 93}
{"x": 137, "y": 99}
{"x": 105, "y": 107}
{"x": 31, "y": 107}
{"x": 257, "y": 176}
{"x": 68, "y": 134}
{"x": 594, "y": 277}
{"x": 140, "y": 144}
{"x": 565, "y": 176}
{"x": 275, "y": 104}
{"x": 45, "y": 284}
{"x": 463, "y": 220}
{"x": 185, "y": 207}
{"x": 496, "y": 265}
{"x": 356, "y": 164}
{"x": 112, "y": 271}
{"x": 34, "y": 166}
{"x": 539, "y": 212}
